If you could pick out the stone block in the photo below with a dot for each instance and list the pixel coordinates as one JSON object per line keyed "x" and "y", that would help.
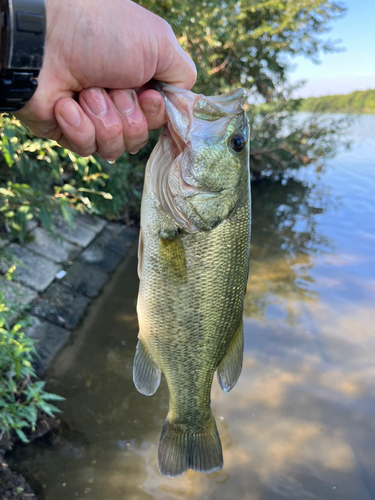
{"x": 92, "y": 222}
{"x": 61, "y": 306}
{"x": 16, "y": 296}
{"x": 104, "y": 258}
{"x": 117, "y": 238}
{"x": 84, "y": 279}
{"x": 34, "y": 271}
{"x": 16, "y": 293}
{"x": 81, "y": 234}
{"x": 31, "y": 225}
{"x": 4, "y": 241}
{"x": 55, "y": 248}
{"x": 50, "y": 339}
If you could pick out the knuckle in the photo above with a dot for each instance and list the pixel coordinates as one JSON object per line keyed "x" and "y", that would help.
{"x": 134, "y": 148}
{"x": 110, "y": 135}
{"x": 82, "y": 150}
{"x": 137, "y": 133}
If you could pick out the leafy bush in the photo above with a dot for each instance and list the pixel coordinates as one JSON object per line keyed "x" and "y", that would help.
{"x": 281, "y": 141}
{"x": 21, "y": 396}
{"x": 38, "y": 179}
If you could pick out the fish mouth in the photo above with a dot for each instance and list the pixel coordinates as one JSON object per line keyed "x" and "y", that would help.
{"x": 189, "y": 116}
{"x": 178, "y": 104}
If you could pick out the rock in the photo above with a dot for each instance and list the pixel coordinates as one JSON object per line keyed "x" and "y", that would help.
{"x": 50, "y": 339}
{"x": 31, "y": 225}
{"x": 84, "y": 279}
{"x": 55, "y": 248}
{"x": 117, "y": 237}
{"x": 4, "y": 241}
{"x": 110, "y": 247}
{"x": 34, "y": 271}
{"x": 105, "y": 259}
{"x": 16, "y": 296}
{"x": 17, "y": 293}
{"x": 92, "y": 222}
{"x": 61, "y": 306}
{"x": 81, "y": 234}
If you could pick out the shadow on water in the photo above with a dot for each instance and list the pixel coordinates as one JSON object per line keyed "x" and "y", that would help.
{"x": 300, "y": 422}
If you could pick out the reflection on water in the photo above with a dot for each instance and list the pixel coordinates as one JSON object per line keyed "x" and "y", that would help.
{"x": 285, "y": 238}
{"x": 300, "y": 422}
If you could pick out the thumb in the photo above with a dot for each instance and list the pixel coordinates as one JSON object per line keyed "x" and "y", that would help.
{"x": 174, "y": 66}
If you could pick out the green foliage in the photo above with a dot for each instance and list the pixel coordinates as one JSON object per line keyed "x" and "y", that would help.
{"x": 361, "y": 101}
{"x": 281, "y": 141}
{"x": 21, "y": 396}
{"x": 245, "y": 42}
{"x": 39, "y": 179}
{"x": 236, "y": 42}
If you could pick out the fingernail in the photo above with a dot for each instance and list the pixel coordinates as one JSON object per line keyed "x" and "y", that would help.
{"x": 95, "y": 100}
{"x": 71, "y": 114}
{"x": 124, "y": 101}
{"x": 150, "y": 107}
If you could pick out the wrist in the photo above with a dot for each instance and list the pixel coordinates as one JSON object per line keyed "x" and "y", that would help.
{"x": 21, "y": 50}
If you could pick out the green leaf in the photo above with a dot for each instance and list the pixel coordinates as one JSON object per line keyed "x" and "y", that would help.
{"x": 22, "y": 436}
{"x": 46, "y": 218}
{"x": 68, "y": 188}
{"x": 52, "y": 397}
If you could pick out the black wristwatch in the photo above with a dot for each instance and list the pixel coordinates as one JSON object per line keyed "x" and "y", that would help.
{"x": 22, "y": 41}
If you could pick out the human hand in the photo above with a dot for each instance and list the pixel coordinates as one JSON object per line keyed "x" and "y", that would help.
{"x": 92, "y": 46}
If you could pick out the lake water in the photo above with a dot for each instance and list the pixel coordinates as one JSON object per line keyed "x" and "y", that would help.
{"x": 300, "y": 423}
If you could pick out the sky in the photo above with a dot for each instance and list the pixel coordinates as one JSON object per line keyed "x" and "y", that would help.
{"x": 342, "y": 73}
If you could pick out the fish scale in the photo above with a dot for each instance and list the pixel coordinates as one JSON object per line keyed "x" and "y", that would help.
{"x": 193, "y": 280}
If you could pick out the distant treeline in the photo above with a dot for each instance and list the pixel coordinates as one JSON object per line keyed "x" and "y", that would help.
{"x": 360, "y": 101}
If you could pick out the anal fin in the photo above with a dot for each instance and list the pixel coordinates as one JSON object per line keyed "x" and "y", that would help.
{"x": 146, "y": 374}
{"x": 229, "y": 368}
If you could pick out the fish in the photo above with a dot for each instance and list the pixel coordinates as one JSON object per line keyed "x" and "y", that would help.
{"x": 193, "y": 266}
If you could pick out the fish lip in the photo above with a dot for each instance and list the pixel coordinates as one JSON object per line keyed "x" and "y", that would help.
{"x": 177, "y": 104}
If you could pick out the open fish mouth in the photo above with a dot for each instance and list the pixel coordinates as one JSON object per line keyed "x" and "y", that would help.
{"x": 183, "y": 108}
{"x": 194, "y": 122}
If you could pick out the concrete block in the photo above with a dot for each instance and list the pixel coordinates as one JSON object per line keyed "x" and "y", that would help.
{"x": 61, "y": 306}
{"x": 50, "y": 339}
{"x": 34, "y": 271}
{"x": 31, "y": 225}
{"x": 105, "y": 259}
{"x": 16, "y": 293}
{"x": 16, "y": 297}
{"x": 84, "y": 279}
{"x": 55, "y": 248}
{"x": 92, "y": 222}
{"x": 81, "y": 234}
{"x": 4, "y": 242}
{"x": 117, "y": 238}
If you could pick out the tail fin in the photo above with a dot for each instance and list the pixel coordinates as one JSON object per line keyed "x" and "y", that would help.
{"x": 181, "y": 449}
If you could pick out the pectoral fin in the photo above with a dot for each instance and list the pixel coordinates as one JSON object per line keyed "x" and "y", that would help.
{"x": 172, "y": 256}
{"x": 229, "y": 368}
{"x": 146, "y": 374}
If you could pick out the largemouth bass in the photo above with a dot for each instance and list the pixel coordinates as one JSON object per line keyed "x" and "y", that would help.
{"x": 193, "y": 267}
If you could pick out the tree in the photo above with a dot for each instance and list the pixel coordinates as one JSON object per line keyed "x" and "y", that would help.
{"x": 248, "y": 43}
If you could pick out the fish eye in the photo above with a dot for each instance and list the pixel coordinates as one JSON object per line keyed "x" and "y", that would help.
{"x": 237, "y": 143}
